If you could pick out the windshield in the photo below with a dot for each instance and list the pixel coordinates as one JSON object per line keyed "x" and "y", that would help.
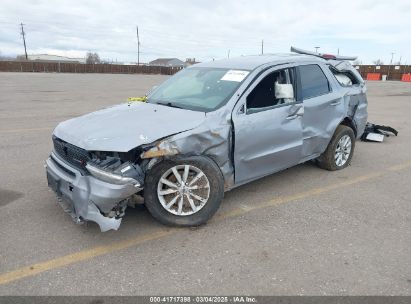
{"x": 199, "y": 89}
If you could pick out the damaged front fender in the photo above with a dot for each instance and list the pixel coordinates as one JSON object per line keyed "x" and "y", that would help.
{"x": 210, "y": 139}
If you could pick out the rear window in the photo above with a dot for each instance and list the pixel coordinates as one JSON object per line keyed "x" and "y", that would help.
{"x": 313, "y": 81}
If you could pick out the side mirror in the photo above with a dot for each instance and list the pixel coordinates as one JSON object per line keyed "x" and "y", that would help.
{"x": 284, "y": 91}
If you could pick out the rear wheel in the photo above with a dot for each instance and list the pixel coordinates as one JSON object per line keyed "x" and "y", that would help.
{"x": 339, "y": 151}
{"x": 184, "y": 192}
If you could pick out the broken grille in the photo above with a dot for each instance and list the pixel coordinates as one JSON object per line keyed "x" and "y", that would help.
{"x": 73, "y": 155}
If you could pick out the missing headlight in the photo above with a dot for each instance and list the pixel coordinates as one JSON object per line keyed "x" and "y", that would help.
{"x": 113, "y": 170}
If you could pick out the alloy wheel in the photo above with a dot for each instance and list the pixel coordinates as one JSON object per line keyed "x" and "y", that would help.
{"x": 183, "y": 190}
{"x": 343, "y": 150}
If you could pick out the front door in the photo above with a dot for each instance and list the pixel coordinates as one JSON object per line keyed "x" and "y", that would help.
{"x": 267, "y": 126}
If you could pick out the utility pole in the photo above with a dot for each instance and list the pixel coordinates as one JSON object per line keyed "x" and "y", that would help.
{"x": 138, "y": 48}
{"x": 262, "y": 47}
{"x": 24, "y": 39}
{"x": 316, "y": 49}
{"x": 389, "y": 67}
{"x": 228, "y": 54}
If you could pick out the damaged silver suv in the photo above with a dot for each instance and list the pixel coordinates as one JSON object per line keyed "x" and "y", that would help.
{"x": 208, "y": 129}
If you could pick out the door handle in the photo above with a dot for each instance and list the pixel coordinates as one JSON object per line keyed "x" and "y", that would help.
{"x": 299, "y": 112}
{"x": 336, "y": 103}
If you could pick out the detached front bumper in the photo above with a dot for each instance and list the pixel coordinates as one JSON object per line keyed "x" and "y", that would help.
{"x": 85, "y": 197}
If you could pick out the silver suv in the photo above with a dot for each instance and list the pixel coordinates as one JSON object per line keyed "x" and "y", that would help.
{"x": 206, "y": 130}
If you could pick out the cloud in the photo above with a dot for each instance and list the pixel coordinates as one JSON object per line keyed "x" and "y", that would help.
{"x": 206, "y": 29}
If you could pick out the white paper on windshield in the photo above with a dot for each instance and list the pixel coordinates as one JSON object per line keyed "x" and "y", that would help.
{"x": 235, "y": 75}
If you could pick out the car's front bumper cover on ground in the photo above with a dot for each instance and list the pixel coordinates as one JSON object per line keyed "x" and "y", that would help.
{"x": 85, "y": 197}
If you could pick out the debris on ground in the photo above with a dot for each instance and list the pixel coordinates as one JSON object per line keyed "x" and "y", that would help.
{"x": 377, "y": 133}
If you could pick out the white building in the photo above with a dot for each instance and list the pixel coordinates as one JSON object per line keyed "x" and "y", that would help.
{"x": 167, "y": 62}
{"x": 48, "y": 57}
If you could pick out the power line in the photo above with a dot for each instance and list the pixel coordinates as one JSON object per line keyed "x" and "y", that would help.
{"x": 101, "y": 32}
{"x": 24, "y": 38}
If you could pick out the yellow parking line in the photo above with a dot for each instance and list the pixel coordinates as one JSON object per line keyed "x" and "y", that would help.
{"x": 37, "y": 268}
{"x": 400, "y": 166}
{"x": 78, "y": 257}
{"x": 25, "y": 130}
{"x": 286, "y": 199}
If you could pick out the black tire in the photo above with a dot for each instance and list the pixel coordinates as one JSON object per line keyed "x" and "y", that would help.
{"x": 327, "y": 159}
{"x": 216, "y": 194}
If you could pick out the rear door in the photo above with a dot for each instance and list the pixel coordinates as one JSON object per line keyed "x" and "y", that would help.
{"x": 324, "y": 108}
{"x": 267, "y": 129}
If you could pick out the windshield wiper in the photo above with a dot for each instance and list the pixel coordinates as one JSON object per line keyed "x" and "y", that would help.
{"x": 169, "y": 104}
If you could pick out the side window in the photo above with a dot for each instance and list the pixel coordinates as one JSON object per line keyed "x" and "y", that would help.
{"x": 275, "y": 89}
{"x": 313, "y": 81}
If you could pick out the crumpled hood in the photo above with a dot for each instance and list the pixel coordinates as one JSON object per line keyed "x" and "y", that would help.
{"x": 123, "y": 127}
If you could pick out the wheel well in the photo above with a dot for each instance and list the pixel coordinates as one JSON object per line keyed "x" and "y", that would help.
{"x": 349, "y": 123}
{"x": 184, "y": 156}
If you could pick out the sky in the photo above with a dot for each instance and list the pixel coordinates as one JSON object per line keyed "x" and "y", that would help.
{"x": 207, "y": 29}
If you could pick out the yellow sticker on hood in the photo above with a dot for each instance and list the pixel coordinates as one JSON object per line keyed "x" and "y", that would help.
{"x": 140, "y": 99}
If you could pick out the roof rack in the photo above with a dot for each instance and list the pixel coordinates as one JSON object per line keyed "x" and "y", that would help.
{"x": 324, "y": 56}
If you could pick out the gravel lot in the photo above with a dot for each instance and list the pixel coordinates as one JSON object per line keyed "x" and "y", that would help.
{"x": 302, "y": 231}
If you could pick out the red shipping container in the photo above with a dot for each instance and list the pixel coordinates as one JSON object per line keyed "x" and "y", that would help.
{"x": 406, "y": 77}
{"x": 373, "y": 76}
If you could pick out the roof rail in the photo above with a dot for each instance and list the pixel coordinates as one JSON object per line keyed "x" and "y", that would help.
{"x": 324, "y": 56}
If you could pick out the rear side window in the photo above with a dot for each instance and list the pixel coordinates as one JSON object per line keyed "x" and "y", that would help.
{"x": 313, "y": 81}
{"x": 346, "y": 79}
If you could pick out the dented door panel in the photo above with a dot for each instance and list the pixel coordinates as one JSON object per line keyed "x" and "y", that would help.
{"x": 267, "y": 142}
{"x": 321, "y": 117}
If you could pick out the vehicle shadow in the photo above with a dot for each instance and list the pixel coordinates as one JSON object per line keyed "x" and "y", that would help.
{"x": 138, "y": 220}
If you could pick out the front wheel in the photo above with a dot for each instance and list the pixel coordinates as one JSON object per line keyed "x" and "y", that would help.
{"x": 339, "y": 151}
{"x": 184, "y": 192}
